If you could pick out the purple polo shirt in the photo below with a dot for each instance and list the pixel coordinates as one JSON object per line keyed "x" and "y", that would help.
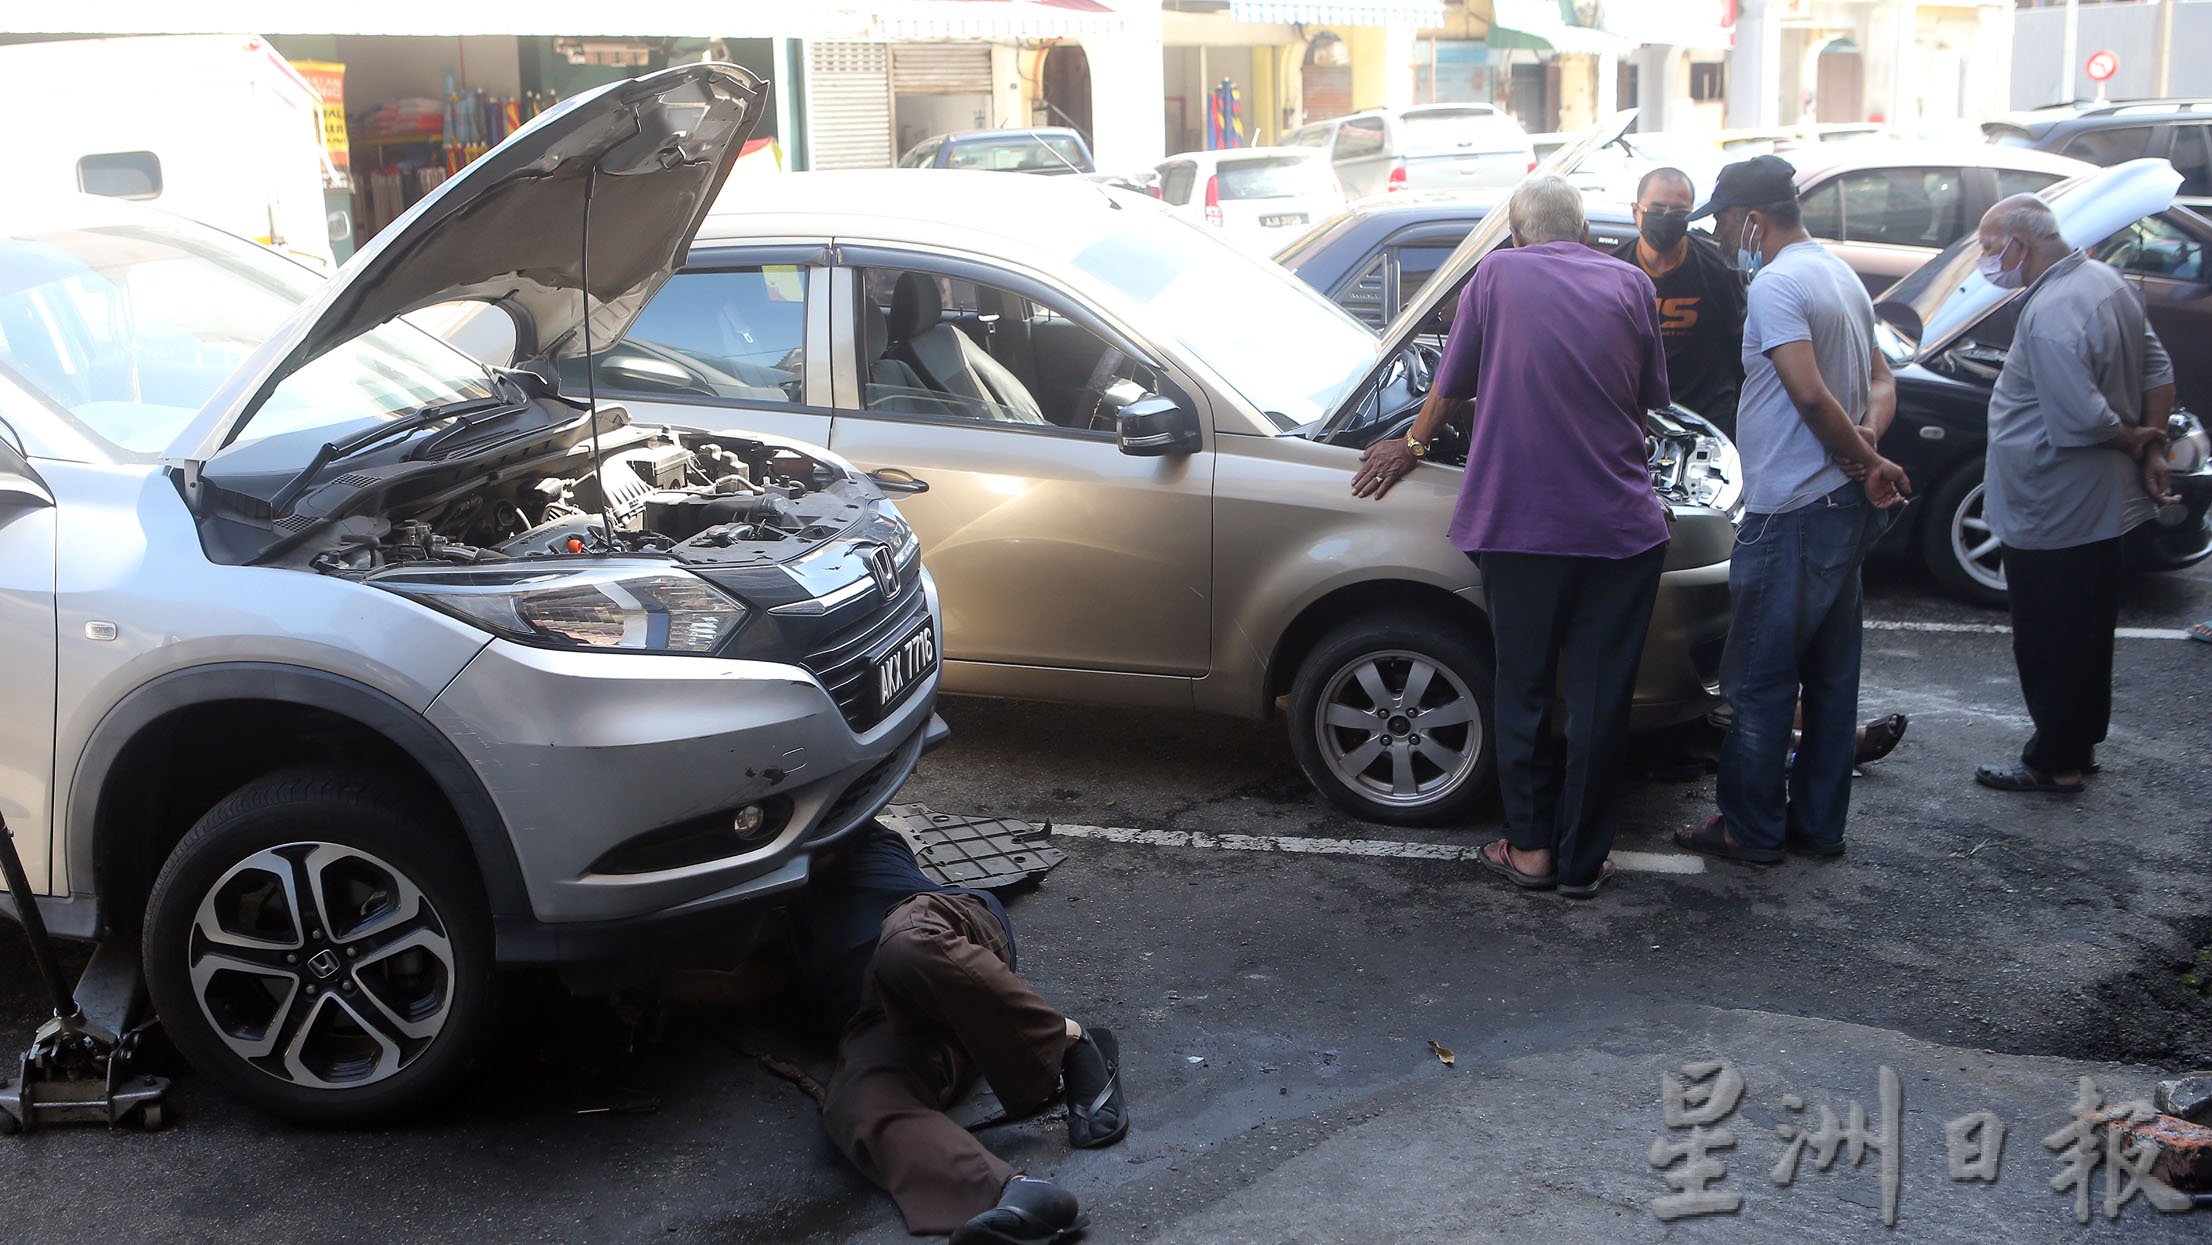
{"x": 1566, "y": 344}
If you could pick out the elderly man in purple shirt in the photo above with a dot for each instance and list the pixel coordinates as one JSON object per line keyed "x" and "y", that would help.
{"x": 1558, "y": 345}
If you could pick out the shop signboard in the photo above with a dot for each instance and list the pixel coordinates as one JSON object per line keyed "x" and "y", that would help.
{"x": 329, "y": 80}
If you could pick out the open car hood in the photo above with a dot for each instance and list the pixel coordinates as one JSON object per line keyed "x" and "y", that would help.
{"x": 1941, "y": 300}
{"x": 649, "y": 153}
{"x": 1492, "y": 233}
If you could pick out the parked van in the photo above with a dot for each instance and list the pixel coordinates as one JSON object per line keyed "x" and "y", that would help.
{"x": 219, "y": 128}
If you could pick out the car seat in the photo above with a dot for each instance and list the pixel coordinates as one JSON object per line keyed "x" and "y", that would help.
{"x": 948, "y": 360}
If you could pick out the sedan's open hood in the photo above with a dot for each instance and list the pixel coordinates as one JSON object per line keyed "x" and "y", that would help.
{"x": 1941, "y": 300}
{"x": 1487, "y": 237}
{"x": 648, "y": 154}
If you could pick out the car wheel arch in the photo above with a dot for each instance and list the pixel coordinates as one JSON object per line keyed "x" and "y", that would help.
{"x": 1345, "y": 603}
{"x": 108, "y": 791}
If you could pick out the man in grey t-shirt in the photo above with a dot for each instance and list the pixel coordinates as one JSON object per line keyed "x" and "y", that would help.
{"x": 2076, "y": 457}
{"x": 1816, "y": 398}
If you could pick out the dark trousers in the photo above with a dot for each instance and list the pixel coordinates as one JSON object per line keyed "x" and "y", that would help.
{"x": 939, "y": 1006}
{"x": 1574, "y": 628}
{"x": 2065, "y": 605}
{"x": 1793, "y": 582}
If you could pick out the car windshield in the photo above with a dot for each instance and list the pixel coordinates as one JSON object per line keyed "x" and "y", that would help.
{"x": 1287, "y": 350}
{"x": 129, "y": 329}
{"x": 1280, "y": 178}
{"x": 1028, "y": 153}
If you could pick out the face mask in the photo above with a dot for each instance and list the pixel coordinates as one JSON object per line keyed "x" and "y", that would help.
{"x": 1993, "y": 270}
{"x": 1664, "y": 230}
{"x": 1748, "y": 259}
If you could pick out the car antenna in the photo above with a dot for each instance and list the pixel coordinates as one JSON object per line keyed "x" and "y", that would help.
{"x": 591, "y": 366}
{"x": 1054, "y": 152}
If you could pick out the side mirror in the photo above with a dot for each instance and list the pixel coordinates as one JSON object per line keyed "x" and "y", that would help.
{"x": 1156, "y": 427}
{"x": 20, "y": 487}
{"x": 650, "y": 375}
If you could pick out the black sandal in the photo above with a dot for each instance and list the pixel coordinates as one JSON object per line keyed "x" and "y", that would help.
{"x": 1502, "y": 865}
{"x": 1589, "y": 889}
{"x": 1098, "y": 1110}
{"x": 1879, "y": 738}
{"x": 2018, "y": 777}
{"x": 1711, "y": 839}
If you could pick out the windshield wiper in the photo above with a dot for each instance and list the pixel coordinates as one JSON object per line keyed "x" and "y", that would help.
{"x": 333, "y": 451}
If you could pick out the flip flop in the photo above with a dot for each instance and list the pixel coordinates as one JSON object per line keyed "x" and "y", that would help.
{"x": 2201, "y": 631}
{"x": 1098, "y": 1109}
{"x": 1502, "y": 865}
{"x": 1879, "y": 738}
{"x": 1590, "y": 888}
{"x": 2019, "y": 777}
{"x": 1711, "y": 839}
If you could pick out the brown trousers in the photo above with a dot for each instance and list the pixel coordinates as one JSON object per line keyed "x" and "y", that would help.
{"x": 939, "y": 1006}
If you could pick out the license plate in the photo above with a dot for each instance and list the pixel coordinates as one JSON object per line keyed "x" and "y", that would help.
{"x": 905, "y": 666}
{"x": 1286, "y": 218}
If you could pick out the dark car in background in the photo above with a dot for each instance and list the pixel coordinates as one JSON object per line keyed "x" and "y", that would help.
{"x": 1041, "y": 149}
{"x": 2178, "y": 131}
{"x": 1373, "y": 257}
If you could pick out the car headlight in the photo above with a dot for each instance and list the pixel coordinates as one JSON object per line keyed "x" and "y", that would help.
{"x": 649, "y": 607}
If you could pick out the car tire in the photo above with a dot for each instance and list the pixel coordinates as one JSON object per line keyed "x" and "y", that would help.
{"x": 379, "y": 1005}
{"x": 1353, "y": 754}
{"x": 1954, "y": 532}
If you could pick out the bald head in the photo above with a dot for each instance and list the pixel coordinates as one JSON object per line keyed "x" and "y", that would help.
{"x": 2023, "y": 231}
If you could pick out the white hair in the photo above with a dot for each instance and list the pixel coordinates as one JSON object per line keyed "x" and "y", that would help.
{"x": 1546, "y": 208}
{"x": 2025, "y": 216}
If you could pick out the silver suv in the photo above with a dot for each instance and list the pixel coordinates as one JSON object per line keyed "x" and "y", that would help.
{"x": 343, "y": 668}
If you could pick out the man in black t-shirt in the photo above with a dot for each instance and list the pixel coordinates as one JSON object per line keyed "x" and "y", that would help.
{"x": 1701, "y": 297}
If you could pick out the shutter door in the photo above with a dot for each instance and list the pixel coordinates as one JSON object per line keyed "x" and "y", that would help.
{"x": 850, "y": 106}
{"x": 941, "y": 69}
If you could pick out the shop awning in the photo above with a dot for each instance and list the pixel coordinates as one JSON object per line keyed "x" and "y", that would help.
{"x": 644, "y": 19}
{"x": 994, "y": 19}
{"x": 1547, "y": 26}
{"x": 1422, "y": 13}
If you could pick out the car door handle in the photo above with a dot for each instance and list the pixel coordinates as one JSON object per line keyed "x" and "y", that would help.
{"x": 898, "y": 480}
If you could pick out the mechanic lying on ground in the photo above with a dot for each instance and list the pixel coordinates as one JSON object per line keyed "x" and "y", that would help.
{"x": 919, "y": 979}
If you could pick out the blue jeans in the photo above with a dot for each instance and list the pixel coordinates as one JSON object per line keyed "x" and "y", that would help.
{"x": 1794, "y": 580}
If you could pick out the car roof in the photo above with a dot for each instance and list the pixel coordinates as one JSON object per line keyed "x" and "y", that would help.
{"x": 1027, "y": 131}
{"x": 975, "y": 207}
{"x": 1222, "y": 154}
{"x": 2085, "y": 115}
{"x": 1824, "y": 159}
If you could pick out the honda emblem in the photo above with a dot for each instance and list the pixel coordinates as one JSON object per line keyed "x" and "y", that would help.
{"x": 885, "y": 568}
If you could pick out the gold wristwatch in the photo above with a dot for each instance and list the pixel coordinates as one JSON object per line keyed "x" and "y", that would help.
{"x": 1419, "y": 449}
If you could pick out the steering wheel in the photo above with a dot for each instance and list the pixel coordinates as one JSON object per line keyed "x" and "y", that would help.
{"x": 1114, "y": 366}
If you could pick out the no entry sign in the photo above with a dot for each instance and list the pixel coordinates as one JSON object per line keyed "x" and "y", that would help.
{"x": 2102, "y": 65}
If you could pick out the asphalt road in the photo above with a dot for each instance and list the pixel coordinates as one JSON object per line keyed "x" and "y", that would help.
{"x": 1276, "y": 1009}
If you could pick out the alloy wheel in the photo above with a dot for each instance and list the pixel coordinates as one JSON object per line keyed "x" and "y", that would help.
{"x": 1974, "y": 544}
{"x": 321, "y": 965}
{"x": 1398, "y": 728}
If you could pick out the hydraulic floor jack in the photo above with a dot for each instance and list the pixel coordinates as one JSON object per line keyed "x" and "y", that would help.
{"x": 78, "y": 1069}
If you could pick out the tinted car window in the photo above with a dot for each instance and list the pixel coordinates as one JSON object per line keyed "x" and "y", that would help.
{"x": 2111, "y": 146}
{"x": 1823, "y": 209}
{"x": 1904, "y": 207}
{"x": 1416, "y": 264}
{"x": 1358, "y": 137}
{"x": 727, "y": 333}
{"x": 1462, "y": 131}
{"x": 922, "y": 156}
{"x": 1272, "y": 179}
{"x": 2154, "y": 247}
{"x": 1025, "y": 154}
{"x": 2192, "y": 156}
{"x": 2021, "y": 181}
{"x": 1309, "y": 136}
{"x": 1175, "y": 182}
{"x": 121, "y": 175}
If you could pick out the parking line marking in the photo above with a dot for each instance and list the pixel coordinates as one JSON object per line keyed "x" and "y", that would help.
{"x": 2124, "y": 633}
{"x": 1632, "y": 862}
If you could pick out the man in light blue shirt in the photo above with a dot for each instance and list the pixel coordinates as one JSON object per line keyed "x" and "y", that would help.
{"x": 1816, "y": 398}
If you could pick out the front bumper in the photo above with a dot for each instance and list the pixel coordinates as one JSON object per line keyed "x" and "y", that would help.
{"x": 1679, "y": 678}
{"x": 585, "y": 752}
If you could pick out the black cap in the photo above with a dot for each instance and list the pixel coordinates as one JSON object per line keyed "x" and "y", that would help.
{"x": 1751, "y": 183}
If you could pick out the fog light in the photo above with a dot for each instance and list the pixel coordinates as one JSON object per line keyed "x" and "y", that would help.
{"x": 749, "y": 820}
